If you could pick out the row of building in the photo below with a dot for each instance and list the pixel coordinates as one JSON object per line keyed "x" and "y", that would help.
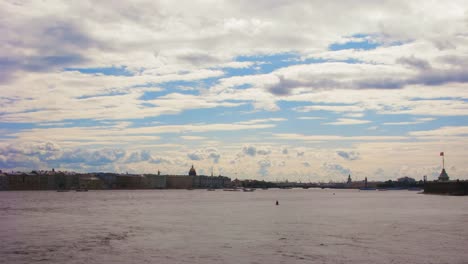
{"x": 53, "y": 180}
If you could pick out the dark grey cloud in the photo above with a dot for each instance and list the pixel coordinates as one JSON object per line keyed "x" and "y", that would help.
{"x": 438, "y": 77}
{"x": 263, "y": 151}
{"x": 458, "y": 61}
{"x": 414, "y": 62}
{"x": 426, "y": 75}
{"x": 378, "y": 83}
{"x": 249, "y": 150}
{"x": 285, "y": 86}
{"x": 351, "y": 155}
{"x": 253, "y": 151}
{"x": 52, "y": 44}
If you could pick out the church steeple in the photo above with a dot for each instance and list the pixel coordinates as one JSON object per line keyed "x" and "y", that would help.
{"x": 443, "y": 176}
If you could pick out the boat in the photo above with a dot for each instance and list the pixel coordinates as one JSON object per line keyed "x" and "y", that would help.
{"x": 81, "y": 190}
{"x": 248, "y": 189}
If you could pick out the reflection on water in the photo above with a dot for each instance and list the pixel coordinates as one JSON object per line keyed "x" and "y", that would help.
{"x": 169, "y": 226}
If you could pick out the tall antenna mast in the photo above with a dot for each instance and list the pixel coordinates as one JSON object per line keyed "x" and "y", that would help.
{"x": 443, "y": 160}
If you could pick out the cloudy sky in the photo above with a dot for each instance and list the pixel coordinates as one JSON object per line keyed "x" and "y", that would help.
{"x": 266, "y": 89}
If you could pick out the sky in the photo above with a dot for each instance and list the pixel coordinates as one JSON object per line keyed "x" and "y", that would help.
{"x": 269, "y": 89}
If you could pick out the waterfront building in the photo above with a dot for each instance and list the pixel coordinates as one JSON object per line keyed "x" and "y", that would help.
{"x": 66, "y": 181}
{"x": 348, "y": 182}
{"x": 210, "y": 181}
{"x": 179, "y": 182}
{"x": 89, "y": 181}
{"x": 406, "y": 180}
{"x": 23, "y": 181}
{"x": 3, "y": 182}
{"x": 192, "y": 172}
{"x": 109, "y": 179}
{"x": 153, "y": 181}
{"x": 130, "y": 182}
{"x": 443, "y": 176}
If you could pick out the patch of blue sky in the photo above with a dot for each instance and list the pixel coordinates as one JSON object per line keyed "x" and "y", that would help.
{"x": 240, "y": 71}
{"x": 112, "y": 71}
{"x": 359, "y": 45}
{"x": 403, "y": 123}
{"x": 243, "y": 86}
{"x": 364, "y": 42}
{"x": 438, "y": 122}
{"x": 271, "y": 62}
{"x": 185, "y": 87}
{"x": 202, "y": 116}
{"x": 151, "y": 95}
{"x": 16, "y": 126}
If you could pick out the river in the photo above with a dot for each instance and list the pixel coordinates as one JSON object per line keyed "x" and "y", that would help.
{"x": 198, "y": 226}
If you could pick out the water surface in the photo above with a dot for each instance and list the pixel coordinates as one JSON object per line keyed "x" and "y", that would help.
{"x": 181, "y": 226}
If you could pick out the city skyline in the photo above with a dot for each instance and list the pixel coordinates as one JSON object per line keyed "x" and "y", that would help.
{"x": 266, "y": 90}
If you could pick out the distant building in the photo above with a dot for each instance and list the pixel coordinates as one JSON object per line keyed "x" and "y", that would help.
{"x": 155, "y": 181}
{"x": 211, "y": 181}
{"x": 3, "y": 182}
{"x": 443, "y": 176}
{"x": 349, "y": 179}
{"x": 66, "y": 181}
{"x": 179, "y": 182}
{"x": 24, "y": 181}
{"x": 192, "y": 172}
{"x": 406, "y": 180}
{"x": 130, "y": 182}
{"x": 90, "y": 182}
{"x": 109, "y": 179}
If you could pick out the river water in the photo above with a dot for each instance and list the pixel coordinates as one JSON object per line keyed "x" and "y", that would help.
{"x": 182, "y": 226}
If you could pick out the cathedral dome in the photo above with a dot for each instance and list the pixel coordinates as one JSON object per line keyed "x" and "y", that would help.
{"x": 192, "y": 172}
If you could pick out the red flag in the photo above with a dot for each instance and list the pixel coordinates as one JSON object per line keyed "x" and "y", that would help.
{"x": 441, "y": 153}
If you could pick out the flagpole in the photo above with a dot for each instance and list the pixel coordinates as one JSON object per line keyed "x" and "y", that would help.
{"x": 443, "y": 161}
